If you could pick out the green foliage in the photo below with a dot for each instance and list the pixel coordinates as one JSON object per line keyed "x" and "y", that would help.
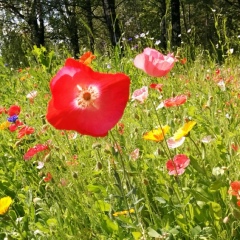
{"x": 100, "y": 192}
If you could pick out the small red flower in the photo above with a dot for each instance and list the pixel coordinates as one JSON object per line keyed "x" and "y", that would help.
{"x": 175, "y": 101}
{"x": 14, "y": 110}
{"x": 48, "y": 177}
{"x": 120, "y": 128}
{"x": 25, "y": 130}
{"x": 217, "y": 71}
{"x": 34, "y": 150}
{"x": 234, "y": 147}
{"x": 235, "y": 189}
{"x": 177, "y": 165}
{"x": 3, "y": 110}
{"x": 13, "y": 127}
{"x": 156, "y": 86}
{"x": 88, "y": 102}
{"x": 183, "y": 61}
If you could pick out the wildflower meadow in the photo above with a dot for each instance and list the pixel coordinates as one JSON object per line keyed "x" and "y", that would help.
{"x": 140, "y": 146}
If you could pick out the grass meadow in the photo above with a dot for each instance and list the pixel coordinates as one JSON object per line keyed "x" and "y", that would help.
{"x": 118, "y": 186}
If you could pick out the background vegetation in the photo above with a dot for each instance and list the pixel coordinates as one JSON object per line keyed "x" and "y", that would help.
{"x": 76, "y": 25}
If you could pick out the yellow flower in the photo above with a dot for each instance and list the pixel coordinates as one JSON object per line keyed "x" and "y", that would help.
{"x": 4, "y": 125}
{"x": 183, "y": 131}
{"x": 125, "y": 212}
{"x": 156, "y": 135}
{"x": 5, "y": 202}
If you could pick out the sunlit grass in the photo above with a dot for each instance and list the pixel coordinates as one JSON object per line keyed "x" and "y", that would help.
{"x": 93, "y": 179}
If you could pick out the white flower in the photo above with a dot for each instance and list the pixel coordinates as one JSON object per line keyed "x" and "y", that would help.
{"x": 32, "y": 94}
{"x": 207, "y": 139}
{"x": 189, "y": 30}
{"x": 40, "y": 165}
{"x": 175, "y": 143}
{"x": 221, "y": 84}
{"x": 230, "y": 51}
{"x": 227, "y": 116}
{"x": 157, "y": 42}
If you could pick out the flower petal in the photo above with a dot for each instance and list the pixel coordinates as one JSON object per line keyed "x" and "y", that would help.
{"x": 105, "y": 109}
{"x": 172, "y": 143}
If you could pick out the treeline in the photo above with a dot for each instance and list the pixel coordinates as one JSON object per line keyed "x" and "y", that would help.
{"x": 100, "y": 25}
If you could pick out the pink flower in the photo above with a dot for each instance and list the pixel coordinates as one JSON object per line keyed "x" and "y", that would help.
{"x": 140, "y": 94}
{"x": 135, "y": 154}
{"x": 34, "y": 150}
{"x": 154, "y": 63}
{"x": 177, "y": 165}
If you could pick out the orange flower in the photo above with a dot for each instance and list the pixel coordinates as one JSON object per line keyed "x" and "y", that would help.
{"x": 183, "y": 60}
{"x": 87, "y": 58}
{"x": 235, "y": 190}
{"x": 48, "y": 177}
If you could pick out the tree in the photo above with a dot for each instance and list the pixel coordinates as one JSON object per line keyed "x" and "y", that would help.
{"x": 31, "y": 12}
{"x": 176, "y": 26}
{"x": 112, "y": 21}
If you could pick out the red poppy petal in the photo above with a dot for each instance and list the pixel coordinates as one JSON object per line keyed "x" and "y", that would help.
{"x": 108, "y": 108}
{"x": 181, "y": 160}
{"x": 235, "y": 186}
{"x": 14, "y": 110}
{"x": 170, "y": 165}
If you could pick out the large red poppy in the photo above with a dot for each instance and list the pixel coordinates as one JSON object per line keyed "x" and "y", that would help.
{"x": 88, "y": 102}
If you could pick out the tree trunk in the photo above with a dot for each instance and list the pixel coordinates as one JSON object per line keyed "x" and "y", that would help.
{"x": 90, "y": 24}
{"x": 70, "y": 19}
{"x": 111, "y": 21}
{"x": 163, "y": 30}
{"x": 176, "y": 26}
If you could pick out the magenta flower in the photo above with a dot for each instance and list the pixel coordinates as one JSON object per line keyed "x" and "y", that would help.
{"x": 154, "y": 63}
{"x": 177, "y": 165}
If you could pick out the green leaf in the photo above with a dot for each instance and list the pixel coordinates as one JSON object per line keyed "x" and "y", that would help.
{"x": 136, "y": 235}
{"x": 52, "y": 222}
{"x": 103, "y": 206}
{"x": 195, "y": 231}
{"x": 215, "y": 210}
{"x": 96, "y": 189}
{"x": 153, "y": 233}
{"x": 160, "y": 200}
{"x": 196, "y": 166}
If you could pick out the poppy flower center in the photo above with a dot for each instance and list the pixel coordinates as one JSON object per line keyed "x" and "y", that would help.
{"x": 86, "y": 96}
